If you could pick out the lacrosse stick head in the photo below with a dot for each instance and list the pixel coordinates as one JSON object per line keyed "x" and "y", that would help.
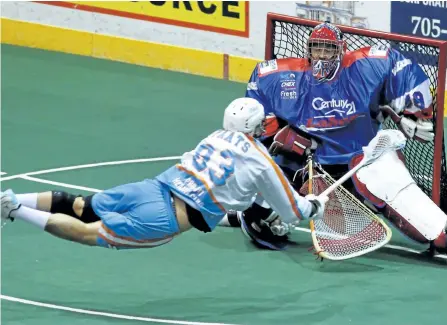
{"x": 383, "y": 142}
{"x": 348, "y": 228}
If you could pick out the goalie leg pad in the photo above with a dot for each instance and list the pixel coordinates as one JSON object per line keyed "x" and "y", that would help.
{"x": 361, "y": 187}
{"x": 440, "y": 243}
{"x": 389, "y": 180}
{"x": 403, "y": 225}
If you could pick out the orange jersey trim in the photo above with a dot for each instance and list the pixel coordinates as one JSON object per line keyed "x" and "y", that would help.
{"x": 284, "y": 181}
{"x": 213, "y": 198}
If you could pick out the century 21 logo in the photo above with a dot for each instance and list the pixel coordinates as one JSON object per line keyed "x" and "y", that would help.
{"x": 340, "y": 106}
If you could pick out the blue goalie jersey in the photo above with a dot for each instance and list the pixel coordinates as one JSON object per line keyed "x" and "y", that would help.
{"x": 341, "y": 113}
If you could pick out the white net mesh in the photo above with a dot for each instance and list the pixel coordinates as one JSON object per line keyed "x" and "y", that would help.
{"x": 348, "y": 228}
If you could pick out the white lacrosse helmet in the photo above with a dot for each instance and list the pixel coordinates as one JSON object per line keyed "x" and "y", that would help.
{"x": 245, "y": 115}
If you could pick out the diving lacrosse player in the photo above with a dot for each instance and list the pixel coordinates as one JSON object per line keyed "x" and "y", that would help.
{"x": 332, "y": 103}
{"x": 229, "y": 169}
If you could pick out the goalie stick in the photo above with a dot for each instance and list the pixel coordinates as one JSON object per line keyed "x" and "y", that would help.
{"x": 349, "y": 229}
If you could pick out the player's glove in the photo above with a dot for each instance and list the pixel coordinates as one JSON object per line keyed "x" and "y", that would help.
{"x": 318, "y": 205}
{"x": 421, "y": 130}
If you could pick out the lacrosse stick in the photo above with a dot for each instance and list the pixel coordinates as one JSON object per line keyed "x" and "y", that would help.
{"x": 348, "y": 228}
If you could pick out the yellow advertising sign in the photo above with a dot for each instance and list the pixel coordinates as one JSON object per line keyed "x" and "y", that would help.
{"x": 226, "y": 17}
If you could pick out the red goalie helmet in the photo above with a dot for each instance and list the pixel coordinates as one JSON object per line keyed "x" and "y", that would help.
{"x": 325, "y": 50}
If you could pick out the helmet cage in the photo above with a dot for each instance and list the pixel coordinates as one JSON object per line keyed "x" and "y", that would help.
{"x": 326, "y": 38}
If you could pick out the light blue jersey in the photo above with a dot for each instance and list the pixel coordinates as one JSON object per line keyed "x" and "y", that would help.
{"x": 229, "y": 171}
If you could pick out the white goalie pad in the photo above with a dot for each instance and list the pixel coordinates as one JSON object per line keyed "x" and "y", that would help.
{"x": 388, "y": 179}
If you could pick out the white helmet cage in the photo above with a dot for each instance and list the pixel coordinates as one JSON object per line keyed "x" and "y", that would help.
{"x": 245, "y": 115}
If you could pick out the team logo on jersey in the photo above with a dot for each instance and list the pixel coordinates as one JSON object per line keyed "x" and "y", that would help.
{"x": 378, "y": 51}
{"x": 190, "y": 188}
{"x": 288, "y": 76}
{"x": 288, "y": 94}
{"x": 288, "y": 83}
{"x": 336, "y": 113}
{"x": 340, "y": 107}
{"x": 400, "y": 65}
{"x": 267, "y": 67}
{"x": 330, "y": 122}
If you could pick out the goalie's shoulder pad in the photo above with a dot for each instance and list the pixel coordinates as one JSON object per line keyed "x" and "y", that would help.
{"x": 283, "y": 65}
{"x": 267, "y": 67}
{"x": 375, "y": 51}
{"x": 364, "y": 53}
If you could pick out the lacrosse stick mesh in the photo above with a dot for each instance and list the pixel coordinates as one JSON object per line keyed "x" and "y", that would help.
{"x": 348, "y": 228}
{"x": 384, "y": 141}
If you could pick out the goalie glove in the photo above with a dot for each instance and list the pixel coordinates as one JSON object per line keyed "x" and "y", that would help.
{"x": 318, "y": 205}
{"x": 289, "y": 140}
{"x": 421, "y": 130}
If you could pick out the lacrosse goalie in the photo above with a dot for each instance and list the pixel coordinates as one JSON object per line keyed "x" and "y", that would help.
{"x": 331, "y": 104}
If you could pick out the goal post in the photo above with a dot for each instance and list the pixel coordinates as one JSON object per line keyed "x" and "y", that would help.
{"x": 287, "y": 36}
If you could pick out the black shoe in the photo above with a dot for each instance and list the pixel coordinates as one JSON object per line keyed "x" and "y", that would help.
{"x": 261, "y": 235}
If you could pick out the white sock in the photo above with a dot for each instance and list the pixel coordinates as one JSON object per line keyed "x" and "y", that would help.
{"x": 29, "y": 200}
{"x": 35, "y": 217}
